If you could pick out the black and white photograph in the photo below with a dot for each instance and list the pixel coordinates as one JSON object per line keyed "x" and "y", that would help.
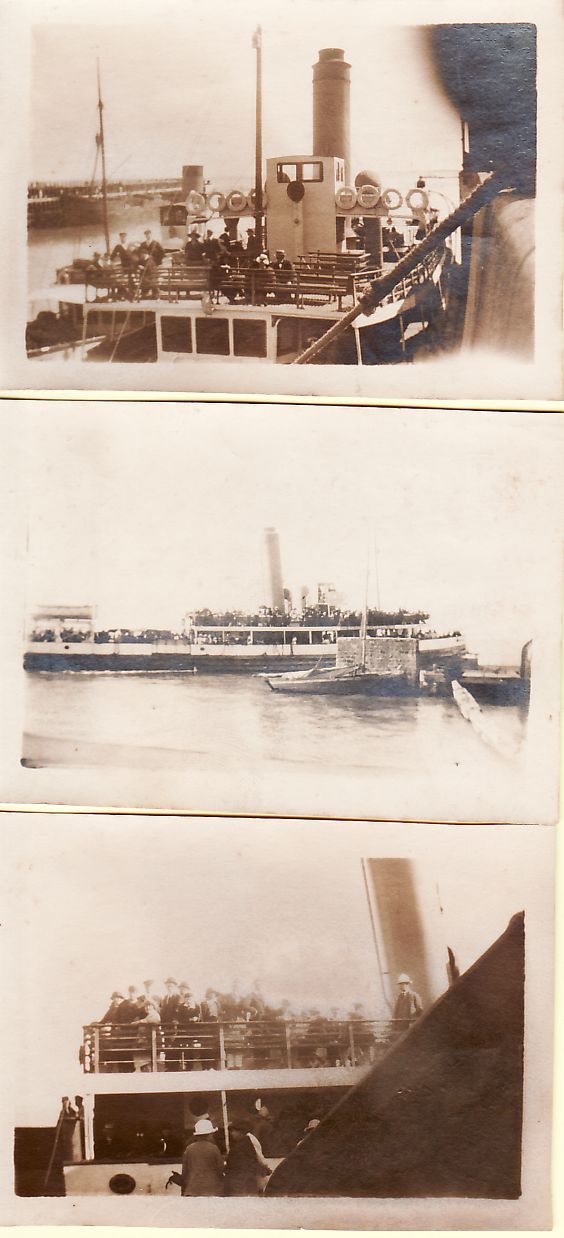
{"x": 215, "y": 198}
{"x": 278, "y": 1024}
{"x": 337, "y": 612}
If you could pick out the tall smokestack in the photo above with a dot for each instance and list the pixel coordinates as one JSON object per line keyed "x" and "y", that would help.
{"x": 408, "y": 933}
{"x": 332, "y": 106}
{"x": 192, "y": 178}
{"x": 274, "y": 569}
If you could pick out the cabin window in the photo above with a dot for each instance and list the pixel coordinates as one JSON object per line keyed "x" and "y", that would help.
{"x": 311, "y": 171}
{"x": 286, "y": 172}
{"x": 212, "y": 336}
{"x": 249, "y": 338}
{"x": 176, "y": 334}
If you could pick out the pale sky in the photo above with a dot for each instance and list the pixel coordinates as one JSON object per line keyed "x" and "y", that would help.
{"x": 152, "y": 512}
{"x": 97, "y": 903}
{"x": 182, "y": 90}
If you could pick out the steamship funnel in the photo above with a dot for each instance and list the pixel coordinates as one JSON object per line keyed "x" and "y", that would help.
{"x": 331, "y": 106}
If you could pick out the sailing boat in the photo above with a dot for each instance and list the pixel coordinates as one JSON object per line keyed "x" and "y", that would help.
{"x": 342, "y": 680}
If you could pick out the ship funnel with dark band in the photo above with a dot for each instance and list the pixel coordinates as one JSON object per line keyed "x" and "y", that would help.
{"x": 332, "y": 106}
{"x": 274, "y": 569}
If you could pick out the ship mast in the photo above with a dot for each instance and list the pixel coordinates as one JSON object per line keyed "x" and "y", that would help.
{"x": 364, "y": 621}
{"x": 257, "y": 44}
{"x": 103, "y": 154}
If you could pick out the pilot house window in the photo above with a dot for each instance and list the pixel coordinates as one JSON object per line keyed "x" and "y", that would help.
{"x": 287, "y": 172}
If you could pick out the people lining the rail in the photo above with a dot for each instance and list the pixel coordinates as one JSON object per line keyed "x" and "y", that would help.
{"x": 181, "y": 1032}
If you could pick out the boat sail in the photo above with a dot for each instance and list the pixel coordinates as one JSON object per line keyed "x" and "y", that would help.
{"x": 345, "y": 680}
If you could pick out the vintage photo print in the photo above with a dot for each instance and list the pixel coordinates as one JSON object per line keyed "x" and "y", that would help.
{"x": 268, "y": 199}
{"x": 299, "y": 612}
{"x": 285, "y": 1024}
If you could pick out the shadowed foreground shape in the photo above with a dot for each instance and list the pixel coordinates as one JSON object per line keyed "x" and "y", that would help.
{"x": 441, "y": 1114}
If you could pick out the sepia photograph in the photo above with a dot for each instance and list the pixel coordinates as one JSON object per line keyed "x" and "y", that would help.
{"x": 245, "y": 1020}
{"x": 303, "y": 612}
{"x": 217, "y": 197}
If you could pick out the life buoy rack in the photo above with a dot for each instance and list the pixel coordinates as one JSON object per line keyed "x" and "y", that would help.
{"x": 417, "y": 200}
{"x": 368, "y": 196}
{"x": 346, "y": 198}
{"x": 236, "y": 201}
{"x": 216, "y": 201}
{"x": 195, "y": 202}
{"x": 388, "y": 197}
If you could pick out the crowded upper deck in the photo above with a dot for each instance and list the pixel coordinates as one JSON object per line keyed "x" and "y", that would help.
{"x": 141, "y": 1031}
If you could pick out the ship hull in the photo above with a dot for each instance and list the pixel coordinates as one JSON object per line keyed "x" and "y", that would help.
{"x": 160, "y": 663}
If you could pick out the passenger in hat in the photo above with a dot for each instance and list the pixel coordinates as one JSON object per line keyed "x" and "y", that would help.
{"x": 169, "y": 1007}
{"x": 202, "y": 1163}
{"x": 111, "y": 1015}
{"x": 194, "y": 252}
{"x": 408, "y": 1005}
{"x": 121, "y": 260}
{"x": 131, "y": 1007}
{"x": 260, "y": 280}
{"x": 151, "y": 248}
{"x": 170, "y": 1002}
{"x": 284, "y": 273}
{"x": 188, "y": 1008}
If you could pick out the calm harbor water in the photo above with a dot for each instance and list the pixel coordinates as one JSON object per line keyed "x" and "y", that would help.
{"x": 50, "y": 248}
{"x": 238, "y": 741}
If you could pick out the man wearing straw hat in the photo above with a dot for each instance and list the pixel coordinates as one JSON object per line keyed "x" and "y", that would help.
{"x": 202, "y": 1163}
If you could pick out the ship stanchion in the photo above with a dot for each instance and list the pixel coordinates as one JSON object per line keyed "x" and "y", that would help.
{"x": 380, "y": 288}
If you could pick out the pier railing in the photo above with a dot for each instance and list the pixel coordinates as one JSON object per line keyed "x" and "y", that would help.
{"x": 236, "y": 1045}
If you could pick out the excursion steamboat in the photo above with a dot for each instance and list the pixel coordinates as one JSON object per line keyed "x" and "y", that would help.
{"x": 63, "y": 639}
{"x": 337, "y": 232}
{"x": 305, "y": 1084}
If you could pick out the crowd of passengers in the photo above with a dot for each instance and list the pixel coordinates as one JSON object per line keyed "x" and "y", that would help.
{"x": 187, "y": 1032}
{"x": 397, "y": 623}
{"x": 131, "y": 270}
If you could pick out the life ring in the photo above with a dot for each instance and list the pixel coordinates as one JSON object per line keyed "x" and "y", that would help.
{"x": 236, "y": 201}
{"x": 195, "y": 202}
{"x": 368, "y": 196}
{"x": 388, "y": 199}
{"x": 216, "y": 201}
{"x": 346, "y": 198}
{"x": 417, "y": 200}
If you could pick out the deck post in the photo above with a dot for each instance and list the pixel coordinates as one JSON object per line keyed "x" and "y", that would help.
{"x": 96, "y": 1053}
{"x": 288, "y": 1045}
{"x": 225, "y": 1119}
{"x": 154, "y": 1063}
{"x": 351, "y": 1045}
{"x": 222, "y": 1054}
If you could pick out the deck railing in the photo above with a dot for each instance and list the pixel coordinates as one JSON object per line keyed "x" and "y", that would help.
{"x": 236, "y": 1045}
